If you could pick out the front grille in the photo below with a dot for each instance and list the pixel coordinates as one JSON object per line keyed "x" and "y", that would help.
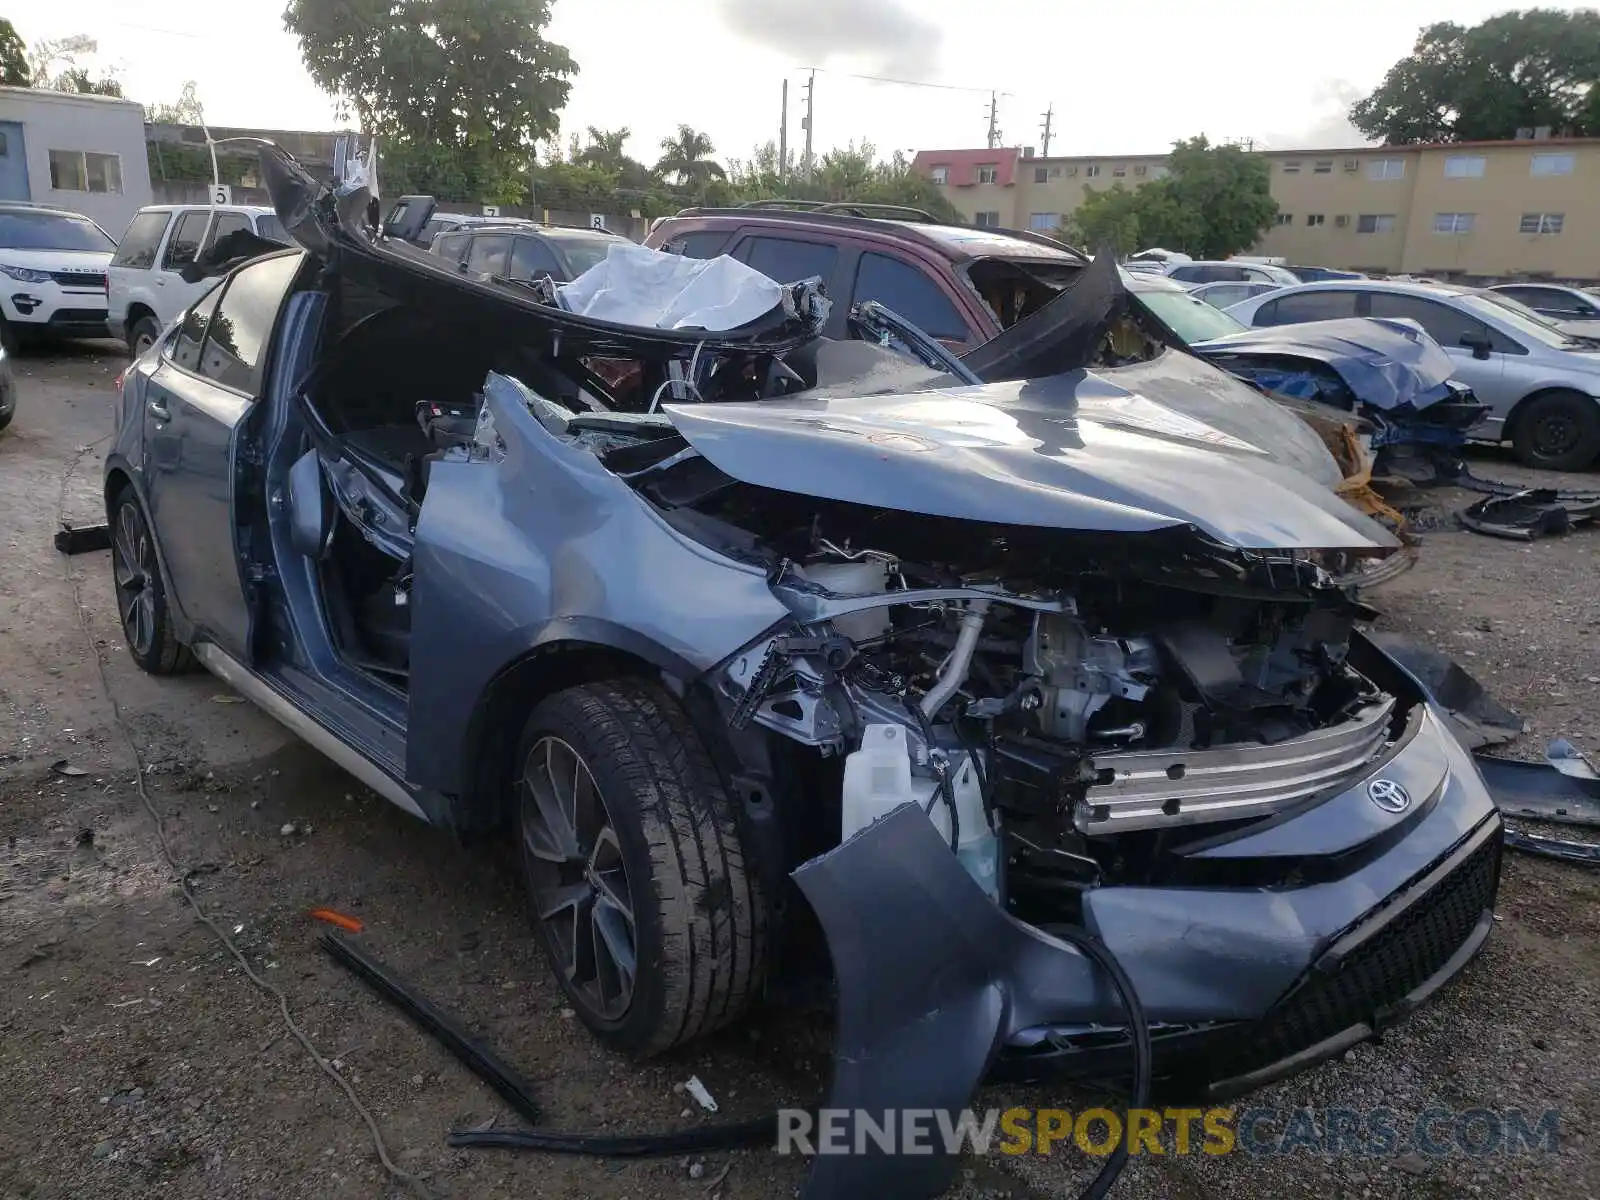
{"x": 80, "y": 279}
{"x": 1379, "y": 972}
{"x": 88, "y": 317}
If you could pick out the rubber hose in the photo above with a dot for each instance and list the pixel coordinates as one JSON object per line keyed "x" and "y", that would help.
{"x": 945, "y": 788}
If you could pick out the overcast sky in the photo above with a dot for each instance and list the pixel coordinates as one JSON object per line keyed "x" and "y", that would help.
{"x": 1128, "y": 77}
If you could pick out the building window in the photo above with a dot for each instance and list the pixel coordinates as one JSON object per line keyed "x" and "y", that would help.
{"x": 986, "y": 220}
{"x": 1092, "y": 170}
{"x": 941, "y": 175}
{"x": 1071, "y": 171}
{"x": 987, "y": 172}
{"x": 1283, "y": 218}
{"x": 1552, "y": 164}
{"x": 1119, "y": 172}
{"x": 1452, "y": 222}
{"x": 1341, "y": 221}
{"x": 1044, "y": 222}
{"x": 1386, "y": 168}
{"x": 1314, "y": 219}
{"x": 1140, "y": 170}
{"x": 85, "y": 171}
{"x": 1464, "y": 166}
{"x": 1041, "y": 174}
{"x": 1540, "y": 223}
{"x": 1324, "y": 166}
{"x": 1055, "y": 172}
{"x": 1375, "y": 223}
{"x": 1292, "y": 167}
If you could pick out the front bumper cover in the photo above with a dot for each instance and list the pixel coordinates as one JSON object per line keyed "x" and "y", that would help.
{"x": 938, "y": 987}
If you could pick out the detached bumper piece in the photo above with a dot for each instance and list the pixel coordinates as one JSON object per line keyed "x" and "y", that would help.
{"x": 933, "y": 978}
{"x": 1526, "y": 515}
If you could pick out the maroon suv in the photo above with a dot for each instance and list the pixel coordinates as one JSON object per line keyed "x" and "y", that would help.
{"x": 960, "y": 284}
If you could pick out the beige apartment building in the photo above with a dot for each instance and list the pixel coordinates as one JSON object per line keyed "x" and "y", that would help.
{"x": 1527, "y": 207}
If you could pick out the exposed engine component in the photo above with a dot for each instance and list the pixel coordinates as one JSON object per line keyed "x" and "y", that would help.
{"x": 1074, "y": 675}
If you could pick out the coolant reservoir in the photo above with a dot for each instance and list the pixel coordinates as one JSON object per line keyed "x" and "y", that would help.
{"x": 865, "y": 576}
{"x": 878, "y": 780}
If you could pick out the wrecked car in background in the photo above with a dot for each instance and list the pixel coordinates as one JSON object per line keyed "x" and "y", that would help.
{"x": 1012, "y": 679}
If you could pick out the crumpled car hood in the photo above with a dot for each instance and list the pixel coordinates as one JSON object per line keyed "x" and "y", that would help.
{"x": 1077, "y": 451}
{"x": 1387, "y": 363}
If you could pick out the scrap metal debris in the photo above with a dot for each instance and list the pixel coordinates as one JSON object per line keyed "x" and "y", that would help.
{"x": 701, "y": 1095}
{"x": 62, "y": 767}
{"x": 1584, "y": 853}
{"x": 1564, "y": 788}
{"x": 82, "y": 539}
{"x": 518, "y": 1092}
{"x": 1528, "y": 514}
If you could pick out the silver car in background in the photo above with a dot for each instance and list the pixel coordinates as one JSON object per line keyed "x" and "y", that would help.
{"x": 1221, "y": 295}
{"x": 1541, "y": 387}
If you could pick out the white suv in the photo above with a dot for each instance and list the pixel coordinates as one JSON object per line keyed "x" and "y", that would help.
{"x": 146, "y": 292}
{"x": 52, "y": 273}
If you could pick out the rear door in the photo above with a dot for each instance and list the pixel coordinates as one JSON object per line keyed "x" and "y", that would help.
{"x": 212, "y": 370}
{"x": 791, "y": 257}
{"x": 185, "y": 237}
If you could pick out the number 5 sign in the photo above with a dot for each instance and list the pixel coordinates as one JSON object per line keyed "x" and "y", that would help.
{"x": 221, "y": 194}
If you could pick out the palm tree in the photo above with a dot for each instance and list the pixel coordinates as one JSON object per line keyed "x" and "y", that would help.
{"x": 605, "y": 148}
{"x": 686, "y": 159}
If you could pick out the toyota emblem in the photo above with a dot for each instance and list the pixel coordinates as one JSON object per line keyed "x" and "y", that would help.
{"x": 1388, "y": 795}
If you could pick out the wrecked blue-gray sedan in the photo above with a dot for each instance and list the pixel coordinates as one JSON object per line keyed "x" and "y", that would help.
{"x": 703, "y": 609}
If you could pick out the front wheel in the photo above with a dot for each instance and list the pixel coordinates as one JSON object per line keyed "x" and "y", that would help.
{"x": 141, "y": 593}
{"x": 637, "y": 878}
{"x": 1559, "y": 431}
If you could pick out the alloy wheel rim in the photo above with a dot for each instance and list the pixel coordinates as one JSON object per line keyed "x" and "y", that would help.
{"x": 133, "y": 566}
{"x": 579, "y": 884}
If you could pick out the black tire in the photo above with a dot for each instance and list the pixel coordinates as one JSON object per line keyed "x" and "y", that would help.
{"x": 698, "y": 918}
{"x": 5, "y": 417}
{"x": 1558, "y": 431}
{"x": 142, "y": 335}
{"x": 141, "y": 593}
{"x": 9, "y": 339}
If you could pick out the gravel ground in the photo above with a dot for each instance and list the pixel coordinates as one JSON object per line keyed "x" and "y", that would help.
{"x": 139, "y": 1060}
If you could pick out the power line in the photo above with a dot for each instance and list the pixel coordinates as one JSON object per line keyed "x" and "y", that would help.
{"x": 921, "y": 83}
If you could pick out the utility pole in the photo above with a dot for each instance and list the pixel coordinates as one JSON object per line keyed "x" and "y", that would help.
{"x": 1049, "y": 113}
{"x": 783, "y": 134}
{"x": 805, "y": 122}
{"x": 994, "y": 117}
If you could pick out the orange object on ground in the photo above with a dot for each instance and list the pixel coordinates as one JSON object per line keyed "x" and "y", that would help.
{"x": 348, "y": 924}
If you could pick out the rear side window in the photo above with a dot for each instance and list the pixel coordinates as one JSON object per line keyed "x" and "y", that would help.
{"x": 707, "y": 243}
{"x": 192, "y": 333}
{"x": 226, "y": 223}
{"x": 488, "y": 254}
{"x": 1443, "y": 324}
{"x": 236, "y": 343}
{"x": 268, "y": 226}
{"x": 451, "y": 246}
{"x": 910, "y": 294}
{"x": 138, "y": 246}
{"x": 531, "y": 259}
{"x": 1307, "y": 306}
{"x": 789, "y": 261}
{"x": 184, "y": 244}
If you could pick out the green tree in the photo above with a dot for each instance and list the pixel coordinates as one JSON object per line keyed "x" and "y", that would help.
{"x": 686, "y": 160}
{"x": 14, "y": 70}
{"x": 1518, "y": 70}
{"x": 57, "y": 64}
{"x": 1214, "y": 201}
{"x": 607, "y": 151}
{"x": 460, "y": 90}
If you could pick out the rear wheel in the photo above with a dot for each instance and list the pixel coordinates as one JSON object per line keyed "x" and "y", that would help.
{"x": 1559, "y": 431}
{"x": 635, "y": 867}
{"x": 143, "y": 335}
{"x": 141, "y": 594}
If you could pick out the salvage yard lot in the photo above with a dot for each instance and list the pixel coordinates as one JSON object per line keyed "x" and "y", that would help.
{"x": 138, "y": 1060}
